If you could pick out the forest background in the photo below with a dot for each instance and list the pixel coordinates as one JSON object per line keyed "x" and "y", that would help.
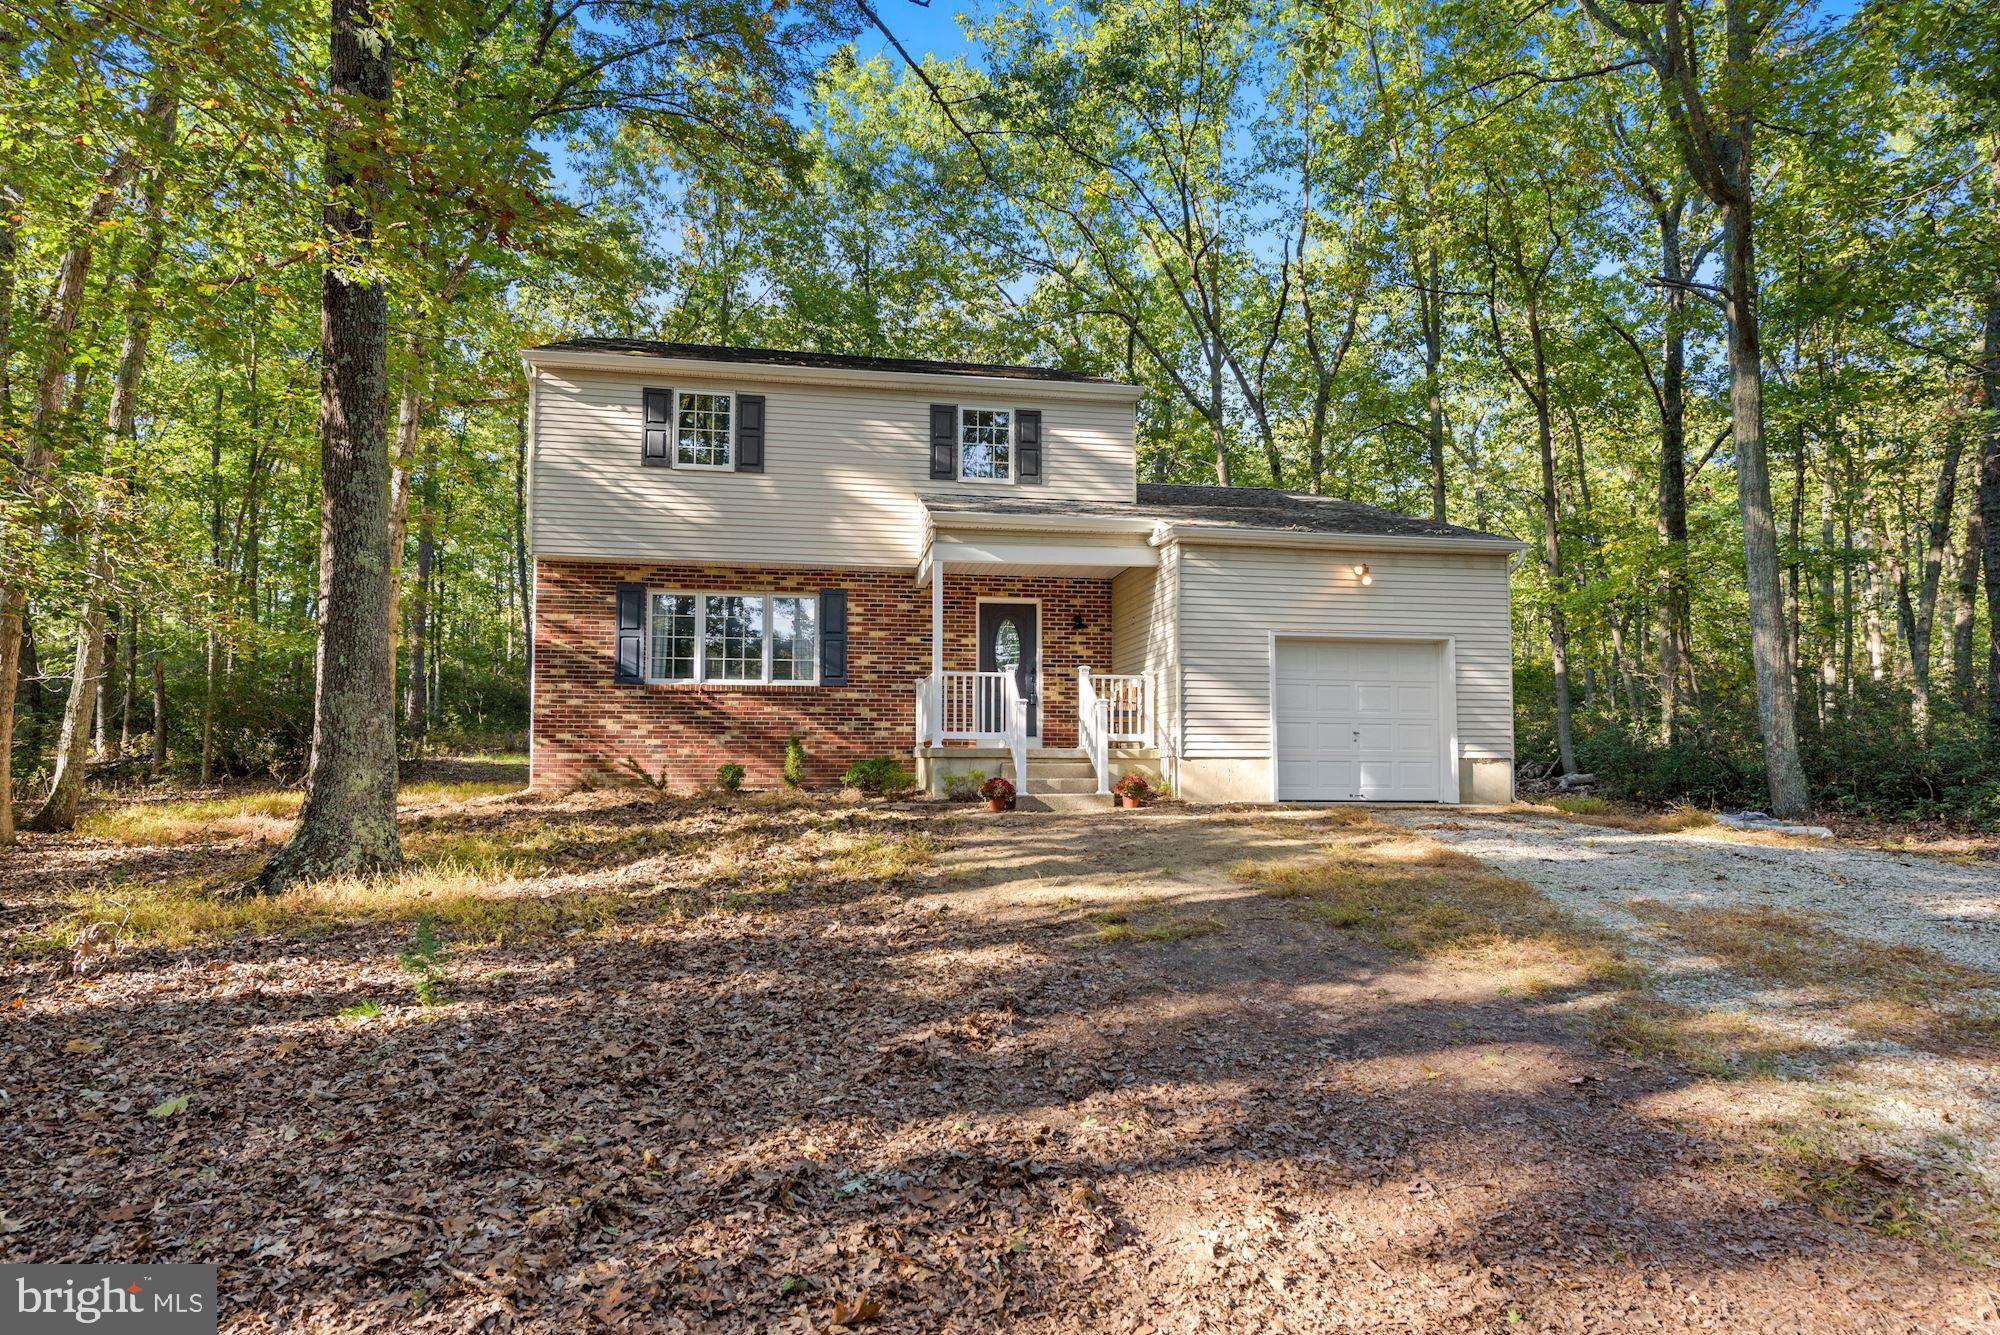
{"x": 1701, "y": 299}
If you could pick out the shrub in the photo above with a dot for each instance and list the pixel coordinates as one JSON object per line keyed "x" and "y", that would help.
{"x": 1134, "y": 786}
{"x": 795, "y": 762}
{"x": 729, "y": 777}
{"x": 964, "y": 787}
{"x": 880, "y": 774}
{"x": 997, "y": 789}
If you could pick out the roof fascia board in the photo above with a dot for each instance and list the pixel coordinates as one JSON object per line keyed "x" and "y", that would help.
{"x": 641, "y": 365}
{"x": 990, "y": 522}
{"x": 1212, "y": 535}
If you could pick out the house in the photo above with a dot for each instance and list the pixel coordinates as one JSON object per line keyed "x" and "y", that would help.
{"x": 957, "y": 565}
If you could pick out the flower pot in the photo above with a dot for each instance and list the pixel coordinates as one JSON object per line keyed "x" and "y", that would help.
{"x": 1129, "y": 803}
{"x": 997, "y": 804}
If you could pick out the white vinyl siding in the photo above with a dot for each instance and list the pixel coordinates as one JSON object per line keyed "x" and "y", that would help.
{"x": 843, "y": 471}
{"x": 1144, "y": 636}
{"x": 1233, "y": 598}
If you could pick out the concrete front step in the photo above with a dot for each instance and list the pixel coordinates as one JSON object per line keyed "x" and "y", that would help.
{"x": 1066, "y": 801}
{"x": 1040, "y": 782}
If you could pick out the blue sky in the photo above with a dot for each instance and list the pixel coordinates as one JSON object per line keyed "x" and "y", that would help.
{"x": 931, "y": 29}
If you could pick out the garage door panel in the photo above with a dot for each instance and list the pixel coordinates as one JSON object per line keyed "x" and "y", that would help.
{"x": 1359, "y": 720}
{"x": 1375, "y": 698}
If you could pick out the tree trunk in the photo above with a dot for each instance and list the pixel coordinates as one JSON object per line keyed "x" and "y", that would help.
{"x": 416, "y": 701}
{"x": 1989, "y": 495}
{"x": 39, "y": 458}
{"x": 1937, "y": 536}
{"x": 1429, "y": 307}
{"x": 348, "y": 822}
{"x": 1965, "y": 611}
{"x": 129, "y": 681}
{"x": 88, "y": 679}
{"x": 1671, "y": 512}
{"x": 1791, "y": 797}
{"x": 100, "y": 737}
{"x": 409, "y": 420}
{"x": 1552, "y": 548}
{"x": 159, "y": 763}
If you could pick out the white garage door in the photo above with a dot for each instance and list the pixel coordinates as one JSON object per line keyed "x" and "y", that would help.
{"x": 1358, "y": 720}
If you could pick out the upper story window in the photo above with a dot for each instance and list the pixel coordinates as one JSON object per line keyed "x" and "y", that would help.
{"x": 985, "y": 445}
{"x": 702, "y": 430}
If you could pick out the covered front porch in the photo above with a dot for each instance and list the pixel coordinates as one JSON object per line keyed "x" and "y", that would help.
{"x": 1026, "y": 678}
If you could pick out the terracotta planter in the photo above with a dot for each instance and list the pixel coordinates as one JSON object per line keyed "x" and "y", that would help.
{"x": 1130, "y": 803}
{"x": 998, "y": 804}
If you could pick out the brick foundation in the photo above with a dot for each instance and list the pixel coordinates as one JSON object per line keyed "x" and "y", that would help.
{"x": 587, "y": 725}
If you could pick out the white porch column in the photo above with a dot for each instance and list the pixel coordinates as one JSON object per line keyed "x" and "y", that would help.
{"x": 937, "y": 650}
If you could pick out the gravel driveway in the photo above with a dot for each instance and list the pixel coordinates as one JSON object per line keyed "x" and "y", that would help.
{"x": 1895, "y": 898}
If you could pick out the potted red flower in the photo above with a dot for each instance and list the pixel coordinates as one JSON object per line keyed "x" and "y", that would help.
{"x": 1132, "y": 790}
{"x": 999, "y": 794}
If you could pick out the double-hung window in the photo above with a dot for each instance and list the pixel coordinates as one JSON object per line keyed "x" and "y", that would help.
{"x": 985, "y": 445}
{"x": 732, "y": 637}
{"x": 702, "y": 425}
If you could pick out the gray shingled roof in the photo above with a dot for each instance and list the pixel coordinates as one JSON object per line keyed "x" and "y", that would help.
{"x": 838, "y": 361}
{"x": 1232, "y": 507}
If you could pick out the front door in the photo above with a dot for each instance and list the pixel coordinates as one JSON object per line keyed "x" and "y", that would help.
{"x": 1009, "y": 642}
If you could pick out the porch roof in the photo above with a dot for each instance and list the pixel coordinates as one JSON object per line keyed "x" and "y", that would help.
{"x": 1254, "y": 508}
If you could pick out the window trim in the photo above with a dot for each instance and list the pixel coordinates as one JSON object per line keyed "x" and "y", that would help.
{"x": 1012, "y": 444}
{"x": 728, "y": 464}
{"x": 701, "y": 677}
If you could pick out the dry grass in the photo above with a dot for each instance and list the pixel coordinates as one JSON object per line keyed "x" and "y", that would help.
{"x": 188, "y": 911}
{"x": 263, "y": 815}
{"x": 1411, "y": 894}
{"x": 1720, "y": 1044}
{"x": 493, "y": 874}
{"x": 1589, "y": 810}
{"x": 1116, "y": 925}
{"x": 1887, "y": 991}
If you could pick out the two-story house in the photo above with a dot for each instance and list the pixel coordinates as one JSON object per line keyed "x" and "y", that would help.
{"x": 957, "y": 565}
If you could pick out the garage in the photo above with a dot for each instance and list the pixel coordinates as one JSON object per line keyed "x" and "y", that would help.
{"x": 1360, "y": 720}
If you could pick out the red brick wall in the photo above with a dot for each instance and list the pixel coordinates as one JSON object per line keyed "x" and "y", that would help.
{"x": 586, "y": 724}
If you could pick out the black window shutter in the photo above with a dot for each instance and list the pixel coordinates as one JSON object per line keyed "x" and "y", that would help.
{"x": 657, "y": 443}
{"x": 631, "y": 633}
{"x": 749, "y": 433}
{"x": 1028, "y": 445}
{"x": 944, "y": 442}
{"x": 833, "y": 637}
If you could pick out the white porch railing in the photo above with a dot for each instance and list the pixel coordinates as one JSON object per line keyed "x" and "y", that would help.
{"x": 974, "y": 707}
{"x": 1092, "y": 725}
{"x": 1128, "y": 705}
{"x": 1111, "y": 707}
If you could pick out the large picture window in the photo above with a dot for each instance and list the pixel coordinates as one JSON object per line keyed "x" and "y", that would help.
{"x": 732, "y": 637}
{"x": 985, "y": 445}
{"x": 702, "y": 425}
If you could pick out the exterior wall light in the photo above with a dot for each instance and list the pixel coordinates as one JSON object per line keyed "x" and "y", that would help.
{"x": 1362, "y": 571}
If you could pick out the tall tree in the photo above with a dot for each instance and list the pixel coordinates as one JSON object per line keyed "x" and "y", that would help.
{"x": 1714, "y": 128}
{"x": 347, "y": 824}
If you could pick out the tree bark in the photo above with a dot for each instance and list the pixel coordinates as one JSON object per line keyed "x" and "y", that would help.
{"x": 1791, "y": 797}
{"x": 1966, "y": 611}
{"x": 348, "y": 822}
{"x": 1671, "y": 511}
{"x": 1989, "y": 494}
{"x": 416, "y": 700}
{"x": 100, "y": 737}
{"x": 159, "y": 762}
